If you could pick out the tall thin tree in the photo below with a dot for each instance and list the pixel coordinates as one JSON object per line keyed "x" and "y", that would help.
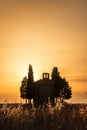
{"x": 30, "y": 83}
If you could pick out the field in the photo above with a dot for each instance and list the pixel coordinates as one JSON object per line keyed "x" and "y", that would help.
{"x": 64, "y": 117}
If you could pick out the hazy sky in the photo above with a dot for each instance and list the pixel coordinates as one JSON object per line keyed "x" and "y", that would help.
{"x": 44, "y": 33}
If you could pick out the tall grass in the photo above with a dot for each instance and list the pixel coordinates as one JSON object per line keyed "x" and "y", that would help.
{"x": 68, "y": 117}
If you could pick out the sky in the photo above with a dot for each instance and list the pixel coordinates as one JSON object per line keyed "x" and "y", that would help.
{"x": 43, "y": 33}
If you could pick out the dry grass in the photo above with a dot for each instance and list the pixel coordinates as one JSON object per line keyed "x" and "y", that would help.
{"x": 68, "y": 117}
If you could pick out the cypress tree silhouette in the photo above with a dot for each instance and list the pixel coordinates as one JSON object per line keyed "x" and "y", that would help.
{"x": 62, "y": 88}
{"x": 30, "y": 83}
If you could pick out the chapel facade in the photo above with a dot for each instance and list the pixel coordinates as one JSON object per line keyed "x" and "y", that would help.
{"x": 44, "y": 90}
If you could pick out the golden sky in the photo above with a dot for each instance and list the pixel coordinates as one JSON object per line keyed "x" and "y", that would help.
{"x": 44, "y": 33}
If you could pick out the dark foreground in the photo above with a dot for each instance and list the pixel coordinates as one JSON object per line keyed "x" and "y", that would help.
{"x": 66, "y": 117}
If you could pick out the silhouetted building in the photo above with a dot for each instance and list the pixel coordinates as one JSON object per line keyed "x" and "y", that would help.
{"x": 43, "y": 89}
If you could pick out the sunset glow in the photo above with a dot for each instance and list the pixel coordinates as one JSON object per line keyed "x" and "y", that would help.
{"x": 43, "y": 33}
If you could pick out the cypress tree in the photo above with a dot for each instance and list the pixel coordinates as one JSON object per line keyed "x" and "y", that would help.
{"x": 30, "y": 83}
{"x": 62, "y": 88}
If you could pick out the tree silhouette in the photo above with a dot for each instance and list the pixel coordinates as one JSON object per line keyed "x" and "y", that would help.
{"x": 30, "y": 83}
{"x": 62, "y": 88}
{"x": 23, "y": 89}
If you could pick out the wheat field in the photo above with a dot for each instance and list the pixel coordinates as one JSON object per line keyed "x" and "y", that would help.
{"x": 64, "y": 117}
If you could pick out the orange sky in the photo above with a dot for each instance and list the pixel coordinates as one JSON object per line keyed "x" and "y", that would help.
{"x": 44, "y": 33}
